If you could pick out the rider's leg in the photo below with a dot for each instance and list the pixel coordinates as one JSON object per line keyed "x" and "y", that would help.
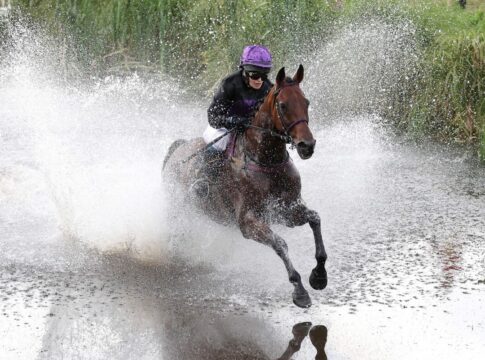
{"x": 210, "y": 164}
{"x": 210, "y": 161}
{"x": 212, "y": 158}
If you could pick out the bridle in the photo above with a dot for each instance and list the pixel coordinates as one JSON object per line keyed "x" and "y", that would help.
{"x": 286, "y": 137}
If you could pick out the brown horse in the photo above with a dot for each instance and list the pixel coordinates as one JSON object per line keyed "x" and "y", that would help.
{"x": 259, "y": 184}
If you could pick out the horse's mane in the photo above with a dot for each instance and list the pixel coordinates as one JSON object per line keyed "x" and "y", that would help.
{"x": 288, "y": 81}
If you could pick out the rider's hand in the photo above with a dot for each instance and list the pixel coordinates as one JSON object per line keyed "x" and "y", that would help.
{"x": 239, "y": 122}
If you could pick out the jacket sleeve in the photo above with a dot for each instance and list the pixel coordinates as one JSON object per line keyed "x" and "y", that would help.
{"x": 219, "y": 108}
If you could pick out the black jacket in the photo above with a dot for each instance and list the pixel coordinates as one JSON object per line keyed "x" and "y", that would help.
{"x": 234, "y": 97}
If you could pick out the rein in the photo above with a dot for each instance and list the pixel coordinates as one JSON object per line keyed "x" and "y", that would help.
{"x": 207, "y": 146}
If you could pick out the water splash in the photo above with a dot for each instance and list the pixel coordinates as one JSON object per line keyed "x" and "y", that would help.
{"x": 362, "y": 68}
{"x": 88, "y": 154}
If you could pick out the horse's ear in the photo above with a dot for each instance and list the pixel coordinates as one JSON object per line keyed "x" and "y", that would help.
{"x": 299, "y": 74}
{"x": 280, "y": 77}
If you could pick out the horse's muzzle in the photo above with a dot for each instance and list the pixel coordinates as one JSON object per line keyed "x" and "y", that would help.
{"x": 305, "y": 148}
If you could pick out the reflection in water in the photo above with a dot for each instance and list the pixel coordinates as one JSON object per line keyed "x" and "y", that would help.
{"x": 148, "y": 330}
{"x": 318, "y": 337}
{"x": 119, "y": 311}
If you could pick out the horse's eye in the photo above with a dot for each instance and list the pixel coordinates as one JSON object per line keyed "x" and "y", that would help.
{"x": 307, "y": 102}
{"x": 283, "y": 107}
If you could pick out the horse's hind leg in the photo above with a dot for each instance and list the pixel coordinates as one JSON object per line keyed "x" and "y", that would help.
{"x": 298, "y": 215}
{"x": 253, "y": 228}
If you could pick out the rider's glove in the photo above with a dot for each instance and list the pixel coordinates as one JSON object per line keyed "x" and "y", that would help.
{"x": 239, "y": 122}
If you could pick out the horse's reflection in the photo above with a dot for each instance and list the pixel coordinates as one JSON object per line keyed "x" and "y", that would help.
{"x": 318, "y": 337}
{"x": 117, "y": 314}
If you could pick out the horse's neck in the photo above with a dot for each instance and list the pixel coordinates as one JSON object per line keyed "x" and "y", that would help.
{"x": 261, "y": 145}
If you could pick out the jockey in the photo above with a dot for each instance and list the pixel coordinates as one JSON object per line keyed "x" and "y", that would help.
{"x": 236, "y": 101}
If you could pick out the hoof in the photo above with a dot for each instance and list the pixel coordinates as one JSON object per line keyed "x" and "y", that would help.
{"x": 301, "y": 330}
{"x": 302, "y": 299}
{"x": 318, "y": 281}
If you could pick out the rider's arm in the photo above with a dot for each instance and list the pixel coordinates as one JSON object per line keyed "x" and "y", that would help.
{"x": 218, "y": 111}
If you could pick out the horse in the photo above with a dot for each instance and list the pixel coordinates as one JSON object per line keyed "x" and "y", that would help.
{"x": 258, "y": 184}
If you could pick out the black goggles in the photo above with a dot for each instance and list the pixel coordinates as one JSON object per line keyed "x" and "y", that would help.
{"x": 255, "y": 75}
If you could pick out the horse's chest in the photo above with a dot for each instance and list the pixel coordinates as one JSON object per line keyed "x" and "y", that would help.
{"x": 275, "y": 186}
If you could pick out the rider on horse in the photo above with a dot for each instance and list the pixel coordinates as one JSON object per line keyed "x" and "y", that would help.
{"x": 235, "y": 102}
{"x": 260, "y": 185}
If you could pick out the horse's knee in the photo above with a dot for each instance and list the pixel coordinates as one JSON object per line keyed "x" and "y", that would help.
{"x": 245, "y": 230}
{"x": 247, "y": 225}
{"x": 313, "y": 218}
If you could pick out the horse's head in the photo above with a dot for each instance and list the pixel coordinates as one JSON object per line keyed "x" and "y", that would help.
{"x": 290, "y": 112}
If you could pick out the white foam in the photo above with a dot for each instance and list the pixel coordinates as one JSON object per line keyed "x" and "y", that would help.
{"x": 93, "y": 150}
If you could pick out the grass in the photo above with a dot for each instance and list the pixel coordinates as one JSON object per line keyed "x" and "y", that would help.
{"x": 450, "y": 101}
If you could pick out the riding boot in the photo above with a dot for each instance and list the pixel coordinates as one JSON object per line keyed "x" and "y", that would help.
{"x": 211, "y": 162}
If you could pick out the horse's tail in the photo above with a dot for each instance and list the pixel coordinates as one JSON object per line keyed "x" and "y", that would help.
{"x": 171, "y": 149}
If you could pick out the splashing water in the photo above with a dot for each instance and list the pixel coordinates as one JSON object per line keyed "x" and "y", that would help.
{"x": 82, "y": 157}
{"x": 84, "y": 161}
{"x": 361, "y": 66}
{"x": 80, "y": 160}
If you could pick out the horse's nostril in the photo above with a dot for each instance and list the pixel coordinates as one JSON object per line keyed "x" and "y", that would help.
{"x": 308, "y": 146}
{"x": 305, "y": 149}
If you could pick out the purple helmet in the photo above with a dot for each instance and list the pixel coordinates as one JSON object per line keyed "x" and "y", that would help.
{"x": 256, "y": 58}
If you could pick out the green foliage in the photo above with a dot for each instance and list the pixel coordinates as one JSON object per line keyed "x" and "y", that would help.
{"x": 450, "y": 98}
{"x": 211, "y": 34}
{"x": 481, "y": 151}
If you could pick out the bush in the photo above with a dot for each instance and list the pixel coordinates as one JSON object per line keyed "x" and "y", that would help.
{"x": 450, "y": 99}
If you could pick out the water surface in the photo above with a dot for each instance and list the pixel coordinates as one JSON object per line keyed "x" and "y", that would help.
{"x": 97, "y": 263}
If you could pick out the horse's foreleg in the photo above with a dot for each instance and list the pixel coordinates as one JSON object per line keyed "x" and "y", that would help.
{"x": 298, "y": 215}
{"x": 253, "y": 228}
